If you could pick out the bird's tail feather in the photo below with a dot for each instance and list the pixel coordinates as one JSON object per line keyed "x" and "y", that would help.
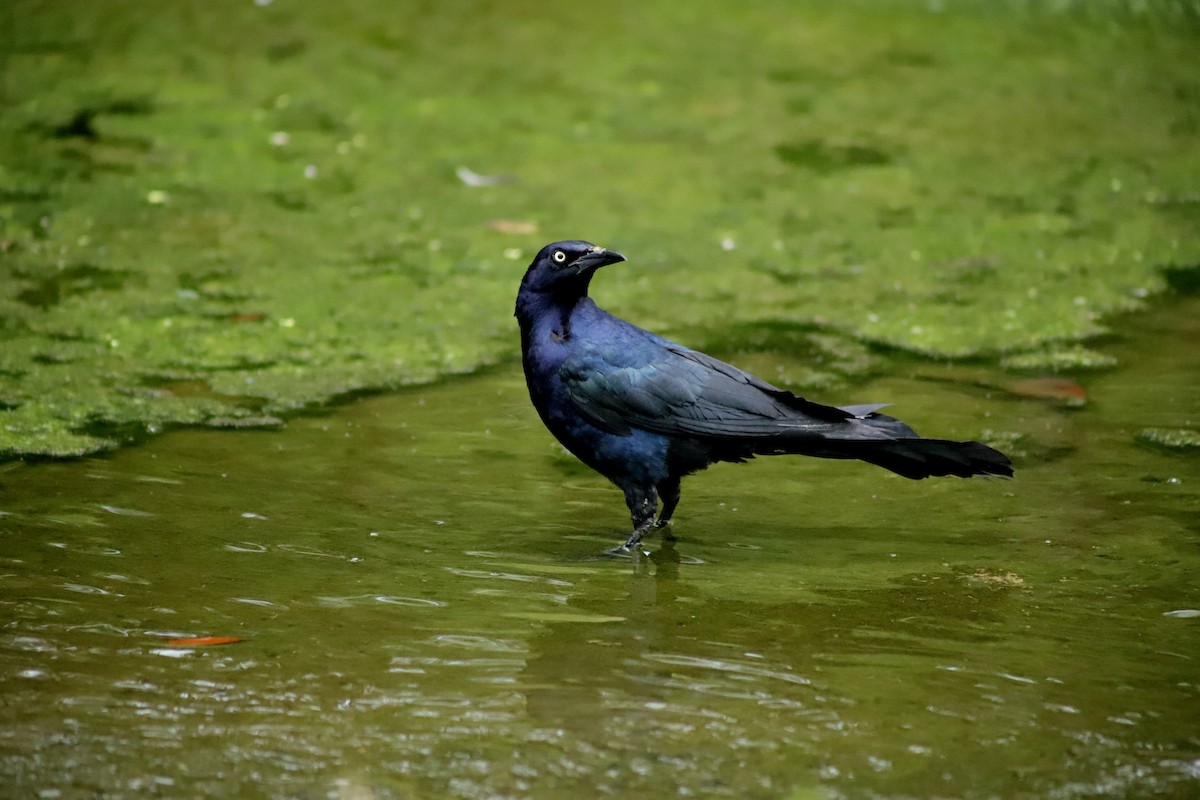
{"x": 924, "y": 458}
{"x": 889, "y": 443}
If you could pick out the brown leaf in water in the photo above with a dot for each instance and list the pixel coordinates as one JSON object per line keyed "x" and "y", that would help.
{"x": 1051, "y": 389}
{"x": 204, "y": 641}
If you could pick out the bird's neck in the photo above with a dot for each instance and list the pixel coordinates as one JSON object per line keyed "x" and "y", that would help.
{"x": 548, "y": 313}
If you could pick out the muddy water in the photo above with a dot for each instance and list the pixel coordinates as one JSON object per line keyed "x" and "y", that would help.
{"x": 424, "y": 612}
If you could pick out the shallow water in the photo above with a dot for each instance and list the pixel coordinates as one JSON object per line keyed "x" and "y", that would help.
{"x": 424, "y": 612}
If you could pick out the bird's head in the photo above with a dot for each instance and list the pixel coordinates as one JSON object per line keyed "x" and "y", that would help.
{"x": 566, "y": 267}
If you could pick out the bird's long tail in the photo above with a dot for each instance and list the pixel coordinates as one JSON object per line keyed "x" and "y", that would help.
{"x": 889, "y": 443}
{"x": 925, "y": 458}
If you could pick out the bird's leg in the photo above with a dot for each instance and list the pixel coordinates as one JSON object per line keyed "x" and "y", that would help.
{"x": 642, "y": 502}
{"x": 668, "y": 490}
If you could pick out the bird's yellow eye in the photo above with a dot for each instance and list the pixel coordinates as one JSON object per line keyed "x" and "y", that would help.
{"x": 559, "y": 256}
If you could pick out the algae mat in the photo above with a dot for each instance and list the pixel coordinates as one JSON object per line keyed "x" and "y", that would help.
{"x": 222, "y": 213}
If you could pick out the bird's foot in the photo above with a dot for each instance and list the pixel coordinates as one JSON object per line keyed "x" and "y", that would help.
{"x": 665, "y": 526}
{"x": 634, "y": 542}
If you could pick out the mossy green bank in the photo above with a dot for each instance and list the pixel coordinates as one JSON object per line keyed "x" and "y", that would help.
{"x": 221, "y": 213}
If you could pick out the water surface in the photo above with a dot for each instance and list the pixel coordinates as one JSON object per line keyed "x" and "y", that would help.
{"x": 424, "y": 612}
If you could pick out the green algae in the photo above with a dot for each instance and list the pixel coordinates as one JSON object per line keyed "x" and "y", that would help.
{"x": 263, "y": 199}
{"x": 1057, "y": 358}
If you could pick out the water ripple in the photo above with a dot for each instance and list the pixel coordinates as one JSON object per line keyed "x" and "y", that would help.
{"x": 388, "y": 599}
{"x": 246, "y": 547}
{"x": 254, "y": 601}
{"x": 302, "y": 550}
{"x": 720, "y": 665}
{"x": 126, "y": 512}
{"x": 407, "y": 601}
{"x": 479, "y": 643}
{"x": 83, "y": 588}
{"x": 505, "y": 576}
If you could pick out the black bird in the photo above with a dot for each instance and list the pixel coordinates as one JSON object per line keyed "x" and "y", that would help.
{"x": 644, "y": 411}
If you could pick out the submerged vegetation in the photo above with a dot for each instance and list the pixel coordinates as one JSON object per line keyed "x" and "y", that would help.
{"x": 219, "y": 214}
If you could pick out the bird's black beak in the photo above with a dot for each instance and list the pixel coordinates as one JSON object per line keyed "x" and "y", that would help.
{"x": 596, "y": 258}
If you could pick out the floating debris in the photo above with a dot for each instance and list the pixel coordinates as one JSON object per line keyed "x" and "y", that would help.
{"x": 1062, "y": 389}
{"x": 997, "y": 579}
{"x": 515, "y": 226}
{"x": 474, "y": 179}
{"x": 204, "y": 641}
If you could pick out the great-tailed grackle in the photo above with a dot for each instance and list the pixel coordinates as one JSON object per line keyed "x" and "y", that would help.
{"x": 644, "y": 411}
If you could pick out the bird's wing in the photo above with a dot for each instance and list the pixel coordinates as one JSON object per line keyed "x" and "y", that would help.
{"x": 669, "y": 389}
